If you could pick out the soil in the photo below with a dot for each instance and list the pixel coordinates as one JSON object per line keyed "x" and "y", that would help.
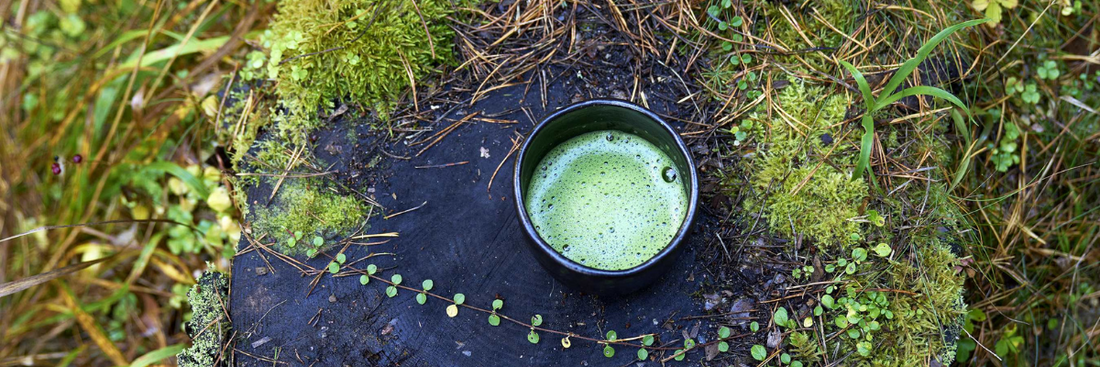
{"x": 467, "y": 239}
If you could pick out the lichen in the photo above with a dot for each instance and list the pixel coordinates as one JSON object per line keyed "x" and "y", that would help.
{"x": 305, "y": 206}
{"x": 209, "y": 325}
{"x": 353, "y": 50}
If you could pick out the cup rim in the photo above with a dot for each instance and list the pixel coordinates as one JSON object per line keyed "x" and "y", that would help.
{"x": 561, "y": 260}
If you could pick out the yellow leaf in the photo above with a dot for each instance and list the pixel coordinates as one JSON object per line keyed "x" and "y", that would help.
{"x": 219, "y": 200}
{"x": 452, "y": 311}
{"x": 980, "y": 5}
{"x": 565, "y": 343}
{"x": 1009, "y": 4}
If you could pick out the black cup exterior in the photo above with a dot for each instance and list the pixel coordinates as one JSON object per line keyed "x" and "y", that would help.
{"x": 595, "y": 115}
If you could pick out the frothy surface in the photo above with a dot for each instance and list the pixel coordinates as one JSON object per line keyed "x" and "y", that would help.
{"x": 606, "y": 199}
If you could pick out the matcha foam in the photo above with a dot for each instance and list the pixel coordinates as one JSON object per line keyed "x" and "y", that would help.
{"x": 607, "y": 199}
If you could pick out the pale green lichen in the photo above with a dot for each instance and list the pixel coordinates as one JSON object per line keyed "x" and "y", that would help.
{"x": 209, "y": 325}
{"x": 305, "y": 206}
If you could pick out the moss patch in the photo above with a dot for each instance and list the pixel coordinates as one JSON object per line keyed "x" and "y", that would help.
{"x": 208, "y": 326}
{"x": 303, "y": 205}
{"x": 801, "y": 188}
{"x": 360, "y": 51}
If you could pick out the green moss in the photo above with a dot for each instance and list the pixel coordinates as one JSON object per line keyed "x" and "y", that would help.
{"x": 209, "y": 325}
{"x": 796, "y": 184}
{"x": 302, "y": 205}
{"x": 358, "y": 51}
{"x": 839, "y": 14}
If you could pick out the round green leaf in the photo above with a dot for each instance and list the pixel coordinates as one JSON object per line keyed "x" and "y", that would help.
{"x": 364, "y": 279}
{"x": 428, "y": 284}
{"x": 612, "y": 335}
{"x": 391, "y": 291}
{"x": 754, "y": 326}
{"x": 333, "y": 267}
{"x": 341, "y": 258}
{"x": 460, "y": 298}
{"x": 396, "y": 279}
{"x": 292, "y": 242}
{"x": 680, "y": 355}
{"x": 533, "y": 337}
{"x": 737, "y": 21}
{"x": 780, "y": 317}
{"x": 723, "y": 347}
{"x": 796, "y": 364}
{"x": 785, "y": 358}
{"x": 689, "y": 343}
{"x": 746, "y": 58}
{"x": 298, "y": 235}
{"x": 647, "y": 340}
{"x": 421, "y": 298}
{"x": 371, "y": 269}
{"x": 536, "y": 320}
{"x": 311, "y": 253}
{"x": 494, "y": 320}
{"x": 318, "y": 241}
{"x": 608, "y": 351}
{"x": 497, "y": 304}
{"x": 758, "y": 352}
{"x": 723, "y": 332}
{"x": 643, "y": 354}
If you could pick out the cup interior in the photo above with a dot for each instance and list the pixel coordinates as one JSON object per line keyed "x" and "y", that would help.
{"x": 596, "y": 116}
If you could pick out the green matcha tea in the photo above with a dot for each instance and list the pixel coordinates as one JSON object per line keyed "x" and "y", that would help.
{"x": 606, "y": 199}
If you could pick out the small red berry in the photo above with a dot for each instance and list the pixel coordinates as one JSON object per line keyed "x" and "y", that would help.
{"x": 78, "y": 158}
{"x": 56, "y": 168}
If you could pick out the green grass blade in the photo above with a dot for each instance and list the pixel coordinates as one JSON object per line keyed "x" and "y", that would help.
{"x": 922, "y": 90}
{"x": 182, "y": 174}
{"x": 158, "y": 355}
{"x": 866, "y": 143}
{"x": 864, "y": 88}
{"x": 922, "y": 53}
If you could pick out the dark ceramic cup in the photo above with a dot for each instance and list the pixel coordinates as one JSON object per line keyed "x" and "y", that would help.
{"x": 596, "y": 115}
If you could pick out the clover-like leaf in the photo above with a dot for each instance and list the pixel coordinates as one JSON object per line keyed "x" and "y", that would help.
{"x": 452, "y": 310}
{"x": 341, "y": 258}
{"x": 882, "y": 249}
{"x": 371, "y": 269}
{"x": 498, "y": 304}
{"x": 859, "y": 254}
{"x": 785, "y": 358}
{"x": 533, "y": 337}
{"x": 460, "y": 298}
{"x": 723, "y": 332}
{"x": 318, "y": 241}
{"x": 421, "y": 298}
{"x": 298, "y": 235}
{"x": 758, "y": 352}
{"x": 333, "y": 267}
{"x": 723, "y": 347}
{"x": 642, "y": 354}
{"x": 364, "y": 279}
{"x": 536, "y": 320}
{"x": 292, "y": 242}
{"x": 391, "y": 291}
{"x": 396, "y": 279}
{"x": 494, "y": 320}
{"x": 737, "y": 21}
{"x": 427, "y": 284}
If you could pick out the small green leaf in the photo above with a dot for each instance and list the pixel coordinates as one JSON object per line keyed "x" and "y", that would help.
{"x": 311, "y": 253}
{"x": 536, "y": 320}
{"x": 498, "y": 304}
{"x": 754, "y": 326}
{"x": 680, "y": 354}
{"x": 494, "y": 320}
{"x": 421, "y": 298}
{"x": 292, "y": 242}
{"x": 612, "y": 335}
{"x": 608, "y": 351}
{"x": 396, "y": 279}
{"x": 859, "y": 254}
{"x": 341, "y": 258}
{"x": 298, "y": 235}
{"x": 746, "y": 58}
{"x": 689, "y": 343}
{"x": 647, "y": 340}
{"x": 371, "y": 269}
{"x": 318, "y": 241}
{"x": 828, "y": 301}
{"x": 758, "y": 352}
{"x": 723, "y": 347}
{"x": 796, "y": 363}
{"x": 533, "y": 337}
{"x": 882, "y": 249}
{"x": 785, "y": 358}
{"x": 723, "y": 26}
{"x": 723, "y": 332}
{"x": 818, "y": 310}
{"x": 333, "y": 267}
{"x": 460, "y": 298}
{"x": 391, "y": 291}
{"x": 427, "y": 284}
{"x": 364, "y": 279}
{"x": 781, "y": 317}
{"x": 737, "y": 21}
{"x": 642, "y": 354}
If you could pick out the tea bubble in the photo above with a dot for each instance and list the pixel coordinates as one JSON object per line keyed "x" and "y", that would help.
{"x": 669, "y": 174}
